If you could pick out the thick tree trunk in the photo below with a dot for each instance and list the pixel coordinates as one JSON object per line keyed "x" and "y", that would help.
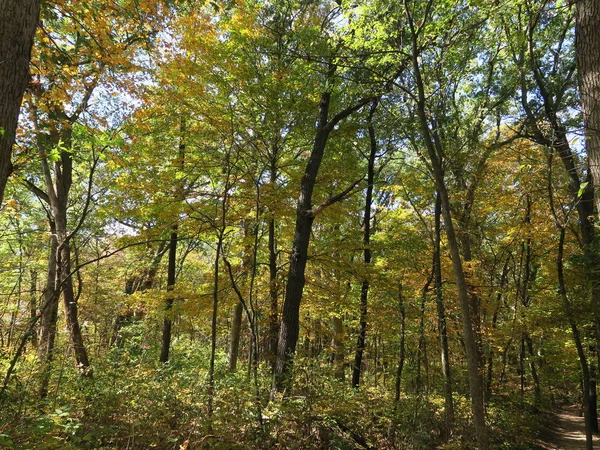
{"x": 364, "y": 293}
{"x": 18, "y": 22}
{"x": 587, "y": 43}
{"x": 289, "y": 330}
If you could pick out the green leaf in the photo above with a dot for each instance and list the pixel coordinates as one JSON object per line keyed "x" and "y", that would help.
{"x": 582, "y": 189}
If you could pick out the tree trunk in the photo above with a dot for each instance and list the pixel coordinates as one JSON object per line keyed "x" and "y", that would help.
{"x": 33, "y": 304}
{"x": 441, "y": 313}
{"x": 49, "y": 315}
{"x": 234, "y": 341}
{"x": 18, "y": 22}
{"x": 585, "y": 373}
{"x": 141, "y": 283}
{"x": 290, "y": 321}
{"x": 168, "y": 321}
{"x": 587, "y": 43}
{"x": 421, "y": 347}
{"x": 339, "y": 353}
{"x": 364, "y": 293}
{"x": 401, "y": 356}
{"x": 273, "y": 291}
{"x": 71, "y": 309}
{"x": 490, "y": 368}
{"x": 213, "y": 327}
{"x": 433, "y": 147}
{"x": 172, "y": 266}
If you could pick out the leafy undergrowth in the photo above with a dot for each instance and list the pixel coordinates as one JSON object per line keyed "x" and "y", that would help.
{"x": 134, "y": 403}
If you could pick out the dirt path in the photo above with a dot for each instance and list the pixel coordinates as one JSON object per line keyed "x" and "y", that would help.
{"x": 567, "y": 432}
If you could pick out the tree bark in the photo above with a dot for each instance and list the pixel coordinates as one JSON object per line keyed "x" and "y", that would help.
{"x": 587, "y": 43}
{"x": 18, "y": 22}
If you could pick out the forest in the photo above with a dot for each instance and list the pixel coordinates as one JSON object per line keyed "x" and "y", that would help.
{"x": 298, "y": 224}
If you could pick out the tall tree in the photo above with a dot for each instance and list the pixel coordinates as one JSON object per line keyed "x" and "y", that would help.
{"x": 367, "y": 225}
{"x": 305, "y": 216}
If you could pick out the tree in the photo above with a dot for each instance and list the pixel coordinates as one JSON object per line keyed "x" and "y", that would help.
{"x": 18, "y": 22}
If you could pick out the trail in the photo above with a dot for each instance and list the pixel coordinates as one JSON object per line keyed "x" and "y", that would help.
{"x": 567, "y": 432}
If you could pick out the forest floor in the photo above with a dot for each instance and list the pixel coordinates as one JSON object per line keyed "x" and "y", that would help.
{"x": 566, "y": 431}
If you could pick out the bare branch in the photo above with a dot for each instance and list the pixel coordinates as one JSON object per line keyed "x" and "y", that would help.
{"x": 336, "y": 198}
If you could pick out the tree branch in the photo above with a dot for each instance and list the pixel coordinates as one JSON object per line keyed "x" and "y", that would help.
{"x": 36, "y": 191}
{"x": 331, "y": 200}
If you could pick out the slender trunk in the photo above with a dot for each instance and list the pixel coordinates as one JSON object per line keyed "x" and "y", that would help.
{"x": 249, "y": 267}
{"x": 401, "y": 356}
{"x": 470, "y": 339}
{"x": 537, "y": 391}
{"x": 172, "y": 266}
{"x": 577, "y": 340}
{"x": 71, "y": 310}
{"x": 18, "y": 22}
{"x": 289, "y": 330}
{"x": 213, "y": 330}
{"x": 290, "y": 320}
{"x": 234, "y": 341}
{"x": 49, "y": 316}
{"x": 274, "y": 306}
{"x": 339, "y": 352}
{"x": 33, "y": 304}
{"x": 19, "y": 288}
{"x": 441, "y": 314}
{"x": 421, "y": 333}
{"x": 364, "y": 293}
{"x": 171, "y": 273}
